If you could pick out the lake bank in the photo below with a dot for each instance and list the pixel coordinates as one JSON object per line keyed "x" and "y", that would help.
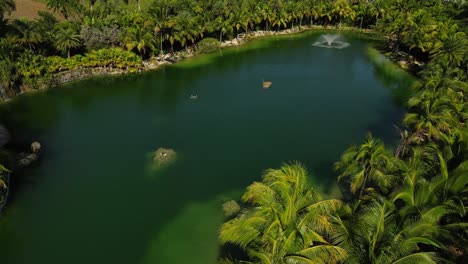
{"x": 80, "y": 72}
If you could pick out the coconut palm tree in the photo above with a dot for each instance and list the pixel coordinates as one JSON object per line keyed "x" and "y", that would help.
{"x": 368, "y": 167}
{"x": 66, "y": 38}
{"x": 284, "y": 221}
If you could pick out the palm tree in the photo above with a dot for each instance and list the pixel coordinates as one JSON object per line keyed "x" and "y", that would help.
{"x": 26, "y": 33}
{"x": 63, "y": 6}
{"x": 369, "y": 167}
{"x": 160, "y": 11}
{"x": 6, "y": 6}
{"x": 66, "y": 38}
{"x": 139, "y": 38}
{"x": 284, "y": 220}
{"x": 342, "y": 9}
{"x": 451, "y": 48}
{"x": 185, "y": 29}
{"x": 376, "y": 235}
{"x": 433, "y": 113}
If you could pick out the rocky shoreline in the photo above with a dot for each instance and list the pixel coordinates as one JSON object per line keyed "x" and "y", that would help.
{"x": 171, "y": 58}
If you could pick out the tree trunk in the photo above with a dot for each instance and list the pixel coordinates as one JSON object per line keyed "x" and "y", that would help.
{"x": 221, "y": 36}
{"x": 362, "y": 19}
{"x": 139, "y": 6}
{"x": 161, "y": 45}
{"x": 68, "y": 52}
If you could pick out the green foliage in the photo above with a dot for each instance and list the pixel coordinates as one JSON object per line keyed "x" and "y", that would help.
{"x": 284, "y": 221}
{"x": 66, "y": 38}
{"x": 208, "y": 45}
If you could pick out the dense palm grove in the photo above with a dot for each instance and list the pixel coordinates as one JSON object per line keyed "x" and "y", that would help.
{"x": 405, "y": 205}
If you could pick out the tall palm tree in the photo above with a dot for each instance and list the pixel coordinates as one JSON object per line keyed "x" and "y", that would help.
{"x": 284, "y": 221}
{"x": 368, "y": 167}
{"x": 66, "y": 38}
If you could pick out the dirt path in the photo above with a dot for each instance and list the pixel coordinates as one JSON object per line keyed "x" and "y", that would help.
{"x": 28, "y": 8}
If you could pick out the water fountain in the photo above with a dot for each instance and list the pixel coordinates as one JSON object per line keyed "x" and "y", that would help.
{"x": 331, "y": 41}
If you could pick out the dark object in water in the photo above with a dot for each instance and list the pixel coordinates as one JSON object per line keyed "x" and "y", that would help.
{"x": 194, "y": 96}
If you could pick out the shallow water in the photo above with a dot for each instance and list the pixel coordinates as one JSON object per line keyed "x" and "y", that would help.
{"x": 93, "y": 197}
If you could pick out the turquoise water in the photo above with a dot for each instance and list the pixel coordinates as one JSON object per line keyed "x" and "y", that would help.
{"x": 93, "y": 198}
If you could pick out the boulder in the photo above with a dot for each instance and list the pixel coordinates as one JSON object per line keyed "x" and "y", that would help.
{"x": 231, "y": 208}
{"x": 35, "y": 147}
{"x": 163, "y": 158}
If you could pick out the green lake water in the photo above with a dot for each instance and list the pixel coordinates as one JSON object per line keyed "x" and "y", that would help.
{"x": 94, "y": 199}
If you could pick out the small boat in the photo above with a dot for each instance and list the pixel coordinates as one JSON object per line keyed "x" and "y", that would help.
{"x": 193, "y": 96}
{"x": 266, "y": 84}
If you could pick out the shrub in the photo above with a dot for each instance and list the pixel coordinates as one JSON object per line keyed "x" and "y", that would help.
{"x": 208, "y": 45}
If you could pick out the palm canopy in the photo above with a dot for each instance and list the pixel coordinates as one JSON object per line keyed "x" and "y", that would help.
{"x": 368, "y": 167}
{"x": 435, "y": 114}
{"x": 66, "y": 38}
{"x": 452, "y": 48}
{"x": 376, "y": 235}
{"x": 284, "y": 220}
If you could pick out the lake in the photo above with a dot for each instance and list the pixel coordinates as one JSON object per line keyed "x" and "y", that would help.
{"x": 94, "y": 197}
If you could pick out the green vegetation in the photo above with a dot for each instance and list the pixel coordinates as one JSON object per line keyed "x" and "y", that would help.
{"x": 152, "y": 27}
{"x": 406, "y": 205}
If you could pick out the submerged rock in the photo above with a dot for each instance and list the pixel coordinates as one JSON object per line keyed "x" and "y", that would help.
{"x": 163, "y": 158}
{"x": 231, "y": 208}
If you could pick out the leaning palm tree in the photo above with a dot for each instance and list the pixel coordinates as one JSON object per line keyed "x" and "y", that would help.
{"x": 66, "y": 38}
{"x": 368, "y": 168}
{"x": 284, "y": 221}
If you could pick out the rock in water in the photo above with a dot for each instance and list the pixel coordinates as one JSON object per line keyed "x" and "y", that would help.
{"x": 163, "y": 158}
{"x": 35, "y": 147}
{"x": 231, "y": 208}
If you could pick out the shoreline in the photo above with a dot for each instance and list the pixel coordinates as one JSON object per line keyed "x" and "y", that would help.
{"x": 156, "y": 62}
